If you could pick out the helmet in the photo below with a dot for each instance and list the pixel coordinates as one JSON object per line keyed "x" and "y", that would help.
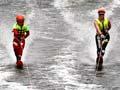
{"x": 101, "y": 10}
{"x": 20, "y": 18}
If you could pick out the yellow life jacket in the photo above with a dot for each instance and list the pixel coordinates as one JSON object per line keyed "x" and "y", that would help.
{"x": 21, "y": 30}
{"x": 103, "y": 26}
{"x": 24, "y": 28}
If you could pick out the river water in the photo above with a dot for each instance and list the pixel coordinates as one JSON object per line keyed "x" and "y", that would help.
{"x": 60, "y": 52}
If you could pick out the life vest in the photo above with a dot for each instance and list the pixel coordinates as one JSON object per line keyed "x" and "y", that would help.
{"x": 103, "y": 25}
{"x": 21, "y": 29}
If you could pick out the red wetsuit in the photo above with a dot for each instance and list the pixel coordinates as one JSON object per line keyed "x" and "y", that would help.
{"x": 19, "y": 42}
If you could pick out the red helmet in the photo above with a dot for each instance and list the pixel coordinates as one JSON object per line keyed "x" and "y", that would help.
{"x": 20, "y": 18}
{"x": 101, "y": 10}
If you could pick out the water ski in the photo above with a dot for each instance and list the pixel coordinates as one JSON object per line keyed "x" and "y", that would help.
{"x": 19, "y": 64}
{"x": 99, "y": 63}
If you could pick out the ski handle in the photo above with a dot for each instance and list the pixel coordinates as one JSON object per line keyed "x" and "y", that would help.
{"x": 19, "y": 42}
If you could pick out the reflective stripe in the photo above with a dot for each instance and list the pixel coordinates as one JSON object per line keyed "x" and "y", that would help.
{"x": 100, "y": 24}
{"x": 15, "y": 43}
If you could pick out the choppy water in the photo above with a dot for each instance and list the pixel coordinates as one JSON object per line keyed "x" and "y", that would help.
{"x": 60, "y": 52}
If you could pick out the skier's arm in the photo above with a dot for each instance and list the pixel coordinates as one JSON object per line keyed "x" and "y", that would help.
{"x": 27, "y": 34}
{"x": 109, "y": 26}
